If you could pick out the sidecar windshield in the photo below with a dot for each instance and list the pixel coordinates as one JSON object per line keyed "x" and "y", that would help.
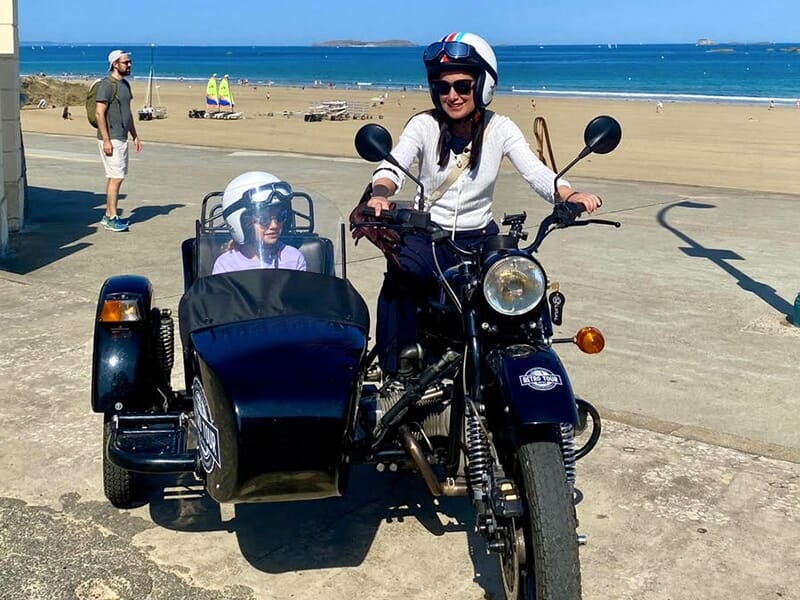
{"x": 313, "y": 226}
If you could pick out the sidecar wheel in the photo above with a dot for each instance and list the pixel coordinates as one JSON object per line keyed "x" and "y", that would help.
{"x": 541, "y": 561}
{"x": 121, "y": 487}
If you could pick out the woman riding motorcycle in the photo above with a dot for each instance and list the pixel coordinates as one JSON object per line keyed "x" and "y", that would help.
{"x": 459, "y": 146}
{"x": 256, "y": 205}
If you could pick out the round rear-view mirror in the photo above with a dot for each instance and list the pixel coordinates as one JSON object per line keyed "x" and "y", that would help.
{"x": 602, "y": 134}
{"x": 373, "y": 142}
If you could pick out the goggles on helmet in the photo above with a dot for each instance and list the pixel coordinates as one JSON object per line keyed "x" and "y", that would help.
{"x": 269, "y": 193}
{"x": 453, "y": 50}
{"x": 263, "y": 195}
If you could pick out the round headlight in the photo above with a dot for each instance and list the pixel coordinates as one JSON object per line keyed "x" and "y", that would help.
{"x": 514, "y": 285}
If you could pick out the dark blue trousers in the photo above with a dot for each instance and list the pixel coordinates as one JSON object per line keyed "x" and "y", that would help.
{"x": 408, "y": 287}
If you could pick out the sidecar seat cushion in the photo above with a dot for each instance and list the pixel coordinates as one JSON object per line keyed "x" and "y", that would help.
{"x": 267, "y": 293}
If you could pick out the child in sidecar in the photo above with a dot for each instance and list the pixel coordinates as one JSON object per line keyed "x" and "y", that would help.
{"x": 256, "y": 205}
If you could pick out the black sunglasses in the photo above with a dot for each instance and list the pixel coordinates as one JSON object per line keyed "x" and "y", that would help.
{"x": 461, "y": 86}
{"x": 265, "y": 218}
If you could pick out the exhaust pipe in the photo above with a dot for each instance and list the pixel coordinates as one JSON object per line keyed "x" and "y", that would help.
{"x": 450, "y": 487}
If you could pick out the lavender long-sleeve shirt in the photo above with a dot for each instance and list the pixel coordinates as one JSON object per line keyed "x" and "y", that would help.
{"x": 233, "y": 260}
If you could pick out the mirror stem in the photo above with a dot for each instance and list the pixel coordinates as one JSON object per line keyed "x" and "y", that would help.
{"x": 583, "y": 154}
{"x": 421, "y": 205}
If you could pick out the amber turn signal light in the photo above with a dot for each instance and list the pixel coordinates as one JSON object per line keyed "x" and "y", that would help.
{"x": 590, "y": 340}
{"x": 118, "y": 311}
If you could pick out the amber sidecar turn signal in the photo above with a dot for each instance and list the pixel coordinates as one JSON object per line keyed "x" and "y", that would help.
{"x": 118, "y": 311}
{"x": 590, "y": 340}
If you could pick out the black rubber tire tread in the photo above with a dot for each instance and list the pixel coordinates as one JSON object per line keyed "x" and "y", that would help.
{"x": 121, "y": 487}
{"x": 551, "y": 539}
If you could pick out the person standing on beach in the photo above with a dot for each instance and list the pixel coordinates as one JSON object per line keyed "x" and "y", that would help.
{"x": 459, "y": 146}
{"x": 114, "y": 124}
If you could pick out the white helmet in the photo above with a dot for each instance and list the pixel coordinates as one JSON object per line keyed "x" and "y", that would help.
{"x": 463, "y": 51}
{"x": 248, "y": 195}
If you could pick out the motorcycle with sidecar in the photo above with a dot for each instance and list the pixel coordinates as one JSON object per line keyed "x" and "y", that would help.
{"x": 482, "y": 405}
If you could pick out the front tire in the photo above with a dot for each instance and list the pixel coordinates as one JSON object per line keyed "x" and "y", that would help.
{"x": 541, "y": 561}
{"x": 123, "y": 488}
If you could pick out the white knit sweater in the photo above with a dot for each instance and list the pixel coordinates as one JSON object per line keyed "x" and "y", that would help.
{"x": 467, "y": 203}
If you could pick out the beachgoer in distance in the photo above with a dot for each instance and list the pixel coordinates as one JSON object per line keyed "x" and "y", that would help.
{"x": 256, "y": 205}
{"x": 459, "y": 146}
{"x": 114, "y": 124}
{"x": 659, "y": 106}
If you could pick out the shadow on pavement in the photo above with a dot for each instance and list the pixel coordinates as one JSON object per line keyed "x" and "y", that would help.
{"x": 59, "y": 224}
{"x": 721, "y": 258}
{"x": 283, "y": 537}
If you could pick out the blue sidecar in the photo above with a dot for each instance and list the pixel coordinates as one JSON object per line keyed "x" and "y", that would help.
{"x": 272, "y": 368}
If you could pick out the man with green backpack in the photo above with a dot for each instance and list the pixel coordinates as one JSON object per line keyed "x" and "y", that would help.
{"x": 114, "y": 122}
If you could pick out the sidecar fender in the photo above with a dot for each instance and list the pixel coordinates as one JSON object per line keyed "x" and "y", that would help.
{"x": 534, "y": 385}
{"x": 119, "y": 358}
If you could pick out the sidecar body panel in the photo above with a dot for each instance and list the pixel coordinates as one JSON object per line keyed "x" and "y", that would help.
{"x": 276, "y": 370}
{"x": 535, "y": 384}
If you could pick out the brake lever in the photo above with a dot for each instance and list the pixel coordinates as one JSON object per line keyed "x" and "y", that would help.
{"x": 600, "y": 222}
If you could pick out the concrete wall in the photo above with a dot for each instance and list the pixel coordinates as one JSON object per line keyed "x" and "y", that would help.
{"x": 12, "y": 194}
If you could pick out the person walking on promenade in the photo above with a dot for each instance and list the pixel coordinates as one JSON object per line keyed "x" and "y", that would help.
{"x": 114, "y": 124}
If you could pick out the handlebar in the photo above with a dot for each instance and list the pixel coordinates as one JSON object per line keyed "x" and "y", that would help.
{"x": 405, "y": 220}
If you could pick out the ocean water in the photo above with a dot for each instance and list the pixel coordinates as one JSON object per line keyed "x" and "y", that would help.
{"x": 685, "y": 72}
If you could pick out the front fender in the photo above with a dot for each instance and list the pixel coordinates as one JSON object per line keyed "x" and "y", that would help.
{"x": 534, "y": 385}
{"x": 120, "y": 360}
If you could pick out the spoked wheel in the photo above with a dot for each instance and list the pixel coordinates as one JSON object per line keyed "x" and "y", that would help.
{"x": 541, "y": 557}
{"x": 123, "y": 488}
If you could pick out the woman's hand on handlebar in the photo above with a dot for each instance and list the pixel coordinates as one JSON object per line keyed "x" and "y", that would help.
{"x": 378, "y": 204}
{"x": 381, "y": 190}
{"x": 590, "y": 201}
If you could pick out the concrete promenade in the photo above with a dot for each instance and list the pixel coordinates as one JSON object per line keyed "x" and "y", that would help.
{"x": 692, "y": 493}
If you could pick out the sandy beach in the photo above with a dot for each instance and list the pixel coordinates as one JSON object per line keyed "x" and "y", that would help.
{"x": 749, "y": 147}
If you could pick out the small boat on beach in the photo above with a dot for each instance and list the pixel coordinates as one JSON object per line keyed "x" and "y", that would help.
{"x": 149, "y": 111}
{"x": 218, "y": 98}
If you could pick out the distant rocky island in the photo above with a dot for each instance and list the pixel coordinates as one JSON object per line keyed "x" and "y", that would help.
{"x": 705, "y": 42}
{"x": 360, "y": 43}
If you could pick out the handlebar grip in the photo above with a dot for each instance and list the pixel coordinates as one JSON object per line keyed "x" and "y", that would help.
{"x": 567, "y": 210}
{"x": 389, "y": 215}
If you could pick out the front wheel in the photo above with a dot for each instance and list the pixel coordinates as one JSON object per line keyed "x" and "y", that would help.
{"x": 123, "y": 488}
{"x": 541, "y": 558}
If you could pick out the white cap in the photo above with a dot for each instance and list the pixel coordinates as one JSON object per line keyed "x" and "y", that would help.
{"x": 114, "y": 56}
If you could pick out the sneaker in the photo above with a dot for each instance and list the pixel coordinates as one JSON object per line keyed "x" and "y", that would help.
{"x": 115, "y": 224}
{"x": 104, "y": 220}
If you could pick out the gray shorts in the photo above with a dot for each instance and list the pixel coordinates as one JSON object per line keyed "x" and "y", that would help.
{"x": 116, "y": 165}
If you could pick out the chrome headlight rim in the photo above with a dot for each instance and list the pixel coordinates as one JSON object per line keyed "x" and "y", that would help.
{"x": 522, "y": 272}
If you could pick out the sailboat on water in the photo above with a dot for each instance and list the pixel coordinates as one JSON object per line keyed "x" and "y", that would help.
{"x": 149, "y": 112}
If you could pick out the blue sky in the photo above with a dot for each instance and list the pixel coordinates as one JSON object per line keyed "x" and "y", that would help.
{"x": 271, "y": 23}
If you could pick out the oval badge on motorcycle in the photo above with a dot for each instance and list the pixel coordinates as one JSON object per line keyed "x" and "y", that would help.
{"x": 540, "y": 379}
{"x": 207, "y": 432}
